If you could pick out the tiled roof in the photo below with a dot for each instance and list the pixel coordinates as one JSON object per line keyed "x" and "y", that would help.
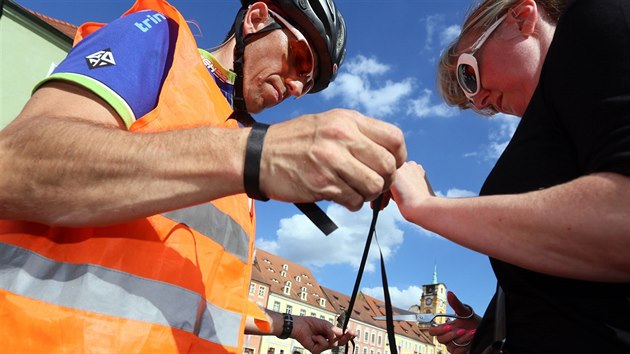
{"x": 407, "y": 329}
{"x": 276, "y": 272}
{"x": 268, "y": 269}
{"x": 64, "y": 27}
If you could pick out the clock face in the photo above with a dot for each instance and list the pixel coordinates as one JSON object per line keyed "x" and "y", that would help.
{"x": 428, "y": 301}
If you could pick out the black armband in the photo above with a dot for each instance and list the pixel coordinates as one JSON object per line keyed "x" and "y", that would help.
{"x": 253, "y": 154}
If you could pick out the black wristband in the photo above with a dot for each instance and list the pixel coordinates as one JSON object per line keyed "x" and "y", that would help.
{"x": 253, "y": 154}
{"x": 287, "y": 326}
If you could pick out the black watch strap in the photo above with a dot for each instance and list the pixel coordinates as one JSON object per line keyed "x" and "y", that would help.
{"x": 287, "y": 326}
{"x": 253, "y": 154}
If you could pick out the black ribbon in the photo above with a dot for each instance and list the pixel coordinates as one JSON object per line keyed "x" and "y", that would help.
{"x": 389, "y": 320}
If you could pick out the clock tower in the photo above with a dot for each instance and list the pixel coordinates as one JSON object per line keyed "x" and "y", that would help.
{"x": 433, "y": 298}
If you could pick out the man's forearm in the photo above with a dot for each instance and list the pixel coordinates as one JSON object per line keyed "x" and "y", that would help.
{"x": 66, "y": 171}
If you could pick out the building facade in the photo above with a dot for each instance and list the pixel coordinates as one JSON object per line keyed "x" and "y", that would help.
{"x": 290, "y": 287}
{"x": 32, "y": 45}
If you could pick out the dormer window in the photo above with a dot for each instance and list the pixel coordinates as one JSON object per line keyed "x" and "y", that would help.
{"x": 322, "y": 302}
{"x": 298, "y": 279}
{"x": 283, "y": 274}
{"x": 287, "y": 288}
{"x": 303, "y": 294}
{"x": 285, "y": 266}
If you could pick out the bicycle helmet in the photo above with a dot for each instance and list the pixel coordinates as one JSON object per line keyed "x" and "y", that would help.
{"x": 324, "y": 28}
{"x": 322, "y": 25}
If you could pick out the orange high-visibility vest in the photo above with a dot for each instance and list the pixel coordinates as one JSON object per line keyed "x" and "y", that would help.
{"x": 176, "y": 282}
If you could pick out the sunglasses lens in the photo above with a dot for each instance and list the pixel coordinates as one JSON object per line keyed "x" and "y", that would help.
{"x": 467, "y": 78}
{"x": 303, "y": 62}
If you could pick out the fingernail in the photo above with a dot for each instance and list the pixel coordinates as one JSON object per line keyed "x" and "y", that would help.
{"x": 461, "y": 332}
{"x": 448, "y": 327}
{"x": 472, "y": 332}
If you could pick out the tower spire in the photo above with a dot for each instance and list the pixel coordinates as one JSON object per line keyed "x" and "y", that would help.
{"x": 435, "y": 281}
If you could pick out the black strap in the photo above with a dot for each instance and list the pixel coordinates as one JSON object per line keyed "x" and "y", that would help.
{"x": 251, "y": 179}
{"x": 240, "y": 112}
{"x": 253, "y": 154}
{"x": 318, "y": 217}
{"x": 254, "y": 149}
{"x": 388, "y": 305}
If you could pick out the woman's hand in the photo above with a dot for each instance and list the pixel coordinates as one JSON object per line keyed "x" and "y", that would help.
{"x": 457, "y": 334}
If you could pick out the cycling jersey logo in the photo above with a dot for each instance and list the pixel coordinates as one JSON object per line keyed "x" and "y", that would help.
{"x": 100, "y": 59}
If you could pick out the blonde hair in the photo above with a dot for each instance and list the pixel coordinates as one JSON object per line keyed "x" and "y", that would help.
{"x": 480, "y": 17}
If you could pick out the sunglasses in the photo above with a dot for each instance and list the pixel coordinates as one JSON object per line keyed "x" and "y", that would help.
{"x": 300, "y": 55}
{"x": 467, "y": 67}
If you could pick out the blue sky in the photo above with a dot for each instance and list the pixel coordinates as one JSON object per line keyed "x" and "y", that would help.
{"x": 389, "y": 73}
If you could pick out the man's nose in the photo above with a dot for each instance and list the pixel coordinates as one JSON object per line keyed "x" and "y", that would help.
{"x": 295, "y": 87}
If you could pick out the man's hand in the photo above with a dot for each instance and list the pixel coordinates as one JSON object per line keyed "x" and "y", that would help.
{"x": 317, "y": 335}
{"x": 339, "y": 155}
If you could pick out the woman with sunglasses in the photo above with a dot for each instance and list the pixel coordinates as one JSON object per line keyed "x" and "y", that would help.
{"x": 553, "y": 213}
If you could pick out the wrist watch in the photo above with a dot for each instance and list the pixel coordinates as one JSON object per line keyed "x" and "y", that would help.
{"x": 287, "y": 326}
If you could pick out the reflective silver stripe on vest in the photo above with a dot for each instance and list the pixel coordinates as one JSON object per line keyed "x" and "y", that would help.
{"x": 213, "y": 223}
{"x": 112, "y": 292}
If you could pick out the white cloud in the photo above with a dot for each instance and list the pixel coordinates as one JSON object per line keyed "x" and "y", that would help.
{"x": 403, "y": 299}
{"x": 437, "y": 30}
{"x": 355, "y": 86}
{"x": 366, "y": 66}
{"x": 359, "y": 87}
{"x": 432, "y": 22}
{"x": 421, "y": 107}
{"x": 449, "y": 34}
{"x": 459, "y": 193}
{"x": 501, "y": 132}
{"x": 299, "y": 240}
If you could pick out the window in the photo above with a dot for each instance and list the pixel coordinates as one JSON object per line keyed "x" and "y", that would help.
{"x": 359, "y": 334}
{"x": 283, "y": 274}
{"x": 364, "y": 350}
{"x": 285, "y": 267}
{"x": 372, "y": 351}
{"x": 313, "y": 314}
{"x": 373, "y": 338}
{"x": 356, "y": 349}
{"x": 366, "y": 336}
{"x": 380, "y": 340}
{"x": 289, "y": 309}
{"x": 276, "y": 306}
{"x": 322, "y": 302}
{"x": 322, "y": 317}
{"x": 298, "y": 278}
{"x": 261, "y": 291}
{"x": 252, "y": 288}
{"x": 287, "y": 287}
{"x": 303, "y": 294}
{"x": 302, "y": 312}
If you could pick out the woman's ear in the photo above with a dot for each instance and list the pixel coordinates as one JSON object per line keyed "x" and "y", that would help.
{"x": 255, "y": 18}
{"x": 525, "y": 15}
